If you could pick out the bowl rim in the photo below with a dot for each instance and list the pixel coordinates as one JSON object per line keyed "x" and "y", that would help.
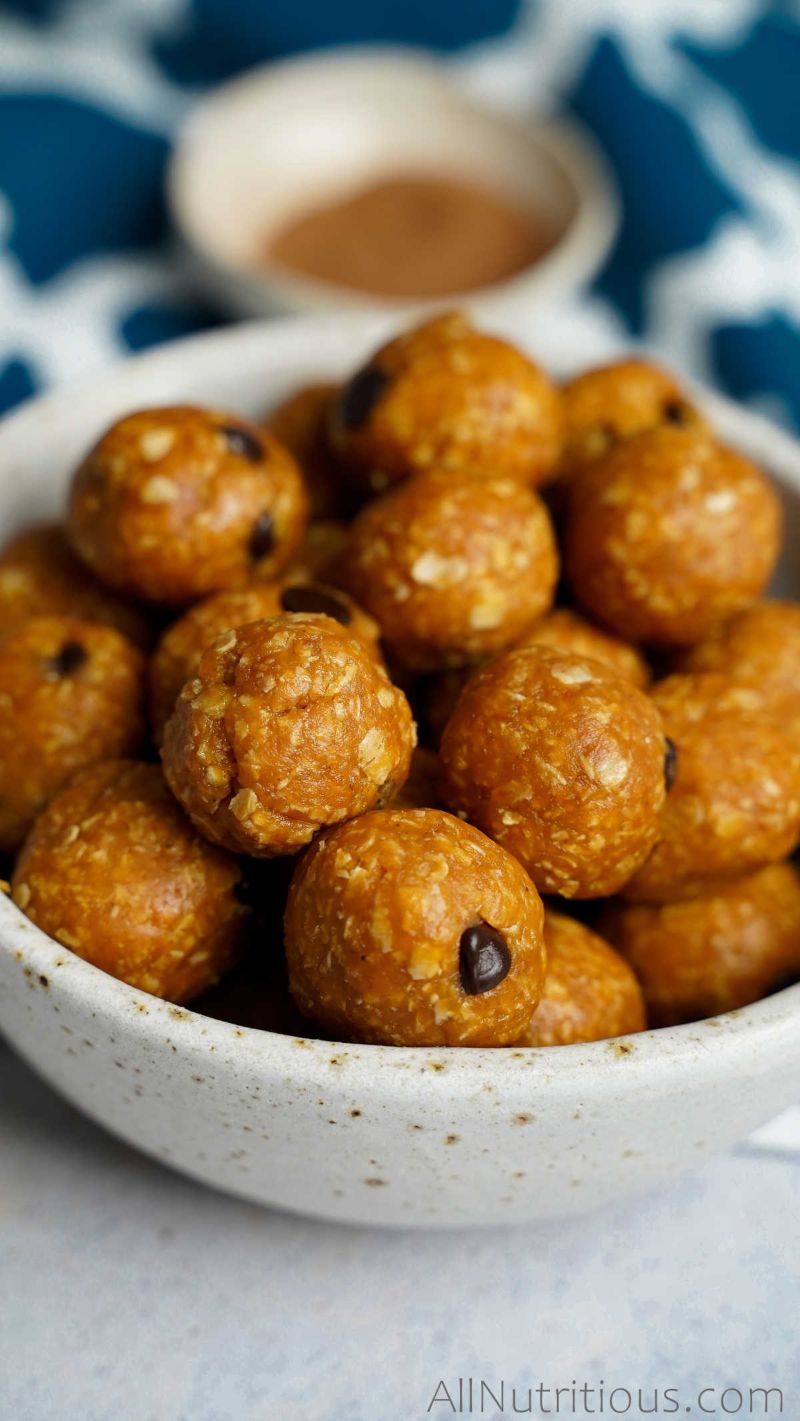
{"x": 710, "y": 1044}
{"x": 565, "y": 266}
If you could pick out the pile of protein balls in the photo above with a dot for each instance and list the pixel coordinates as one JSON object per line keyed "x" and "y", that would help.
{"x": 189, "y": 609}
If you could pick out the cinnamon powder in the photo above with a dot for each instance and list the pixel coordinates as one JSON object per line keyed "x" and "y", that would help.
{"x": 411, "y": 236}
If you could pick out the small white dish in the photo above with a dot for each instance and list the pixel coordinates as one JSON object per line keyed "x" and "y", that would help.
{"x": 368, "y": 1134}
{"x": 282, "y": 138}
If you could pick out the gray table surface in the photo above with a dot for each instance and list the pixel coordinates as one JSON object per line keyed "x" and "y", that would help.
{"x": 128, "y": 1292}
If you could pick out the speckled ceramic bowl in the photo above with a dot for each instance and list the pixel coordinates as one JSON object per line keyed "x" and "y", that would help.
{"x": 363, "y": 1133}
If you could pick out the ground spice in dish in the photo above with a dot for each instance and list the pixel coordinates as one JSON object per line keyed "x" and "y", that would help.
{"x": 411, "y": 236}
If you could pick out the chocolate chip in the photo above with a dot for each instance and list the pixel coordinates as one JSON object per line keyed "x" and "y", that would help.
{"x": 483, "y": 959}
{"x": 262, "y": 537}
{"x": 312, "y": 598}
{"x": 70, "y": 658}
{"x": 243, "y": 442}
{"x": 676, "y": 412}
{"x": 360, "y": 396}
{"x": 670, "y": 763}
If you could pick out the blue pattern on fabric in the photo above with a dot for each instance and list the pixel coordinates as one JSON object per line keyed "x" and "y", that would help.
{"x": 760, "y": 360}
{"x": 658, "y": 221}
{"x": 34, "y": 9}
{"x": 17, "y": 383}
{"x": 219, "y": 38}
{"x": 79, "y": 181}
{"x": 153, "y": 324}
{"x": 764, "y": 74}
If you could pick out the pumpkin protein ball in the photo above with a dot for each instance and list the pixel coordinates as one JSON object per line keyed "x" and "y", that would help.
{"x": 562, "y": 630}
{"x": 40, "y": 576}
{"x": 452, "y": 570}
{"x": 447, "y": 396}
{"x": 177, "y": 655}
{"x": 289, "y": 726}
{"x": 71, "y": 692}
{"x": 734, "y": 801}
{"x": 716, "y": 953}
{"x": 300, "y": 423}
{"x": 759, "y": 647}
{"x": 590, "y": 993}
{"x": 410, "y": 928}
{"x": 172, "y": 504}
{"x": 611, "y": 403}
{"x": 114, "y": 871}
{"x": 563, "y": 763}
{"x": 668, "y": 535}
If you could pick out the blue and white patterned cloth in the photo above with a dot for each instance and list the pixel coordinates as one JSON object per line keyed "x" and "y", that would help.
{"x": 696, "y": 104}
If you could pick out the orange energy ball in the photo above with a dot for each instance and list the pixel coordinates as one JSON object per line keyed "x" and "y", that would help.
{"x": 40, "y": 576}
{"x": 734, "y": 799}
{"x": 71, "y": 692}
{"x": 177, "y": 656}
{"x": 447, "y": 396}
{"x": 613, "y": 402}
{"x": 413, "y": 929}
{"x": 114, "y": 871}
{"x": 173, "y": 504}
{"x": 562, "y": 762}
{"x": 668, "y": 535}
{"x": 759, "y": 647}
{"x": 452, "y": 569}
{"x": 300, "y": 424}
{"x": 716, "y": 953}
{"x": 289, "y": 726}
{"x": 590, "y": 992}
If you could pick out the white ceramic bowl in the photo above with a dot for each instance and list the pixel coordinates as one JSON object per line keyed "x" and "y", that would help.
{"x": 364, "y": 1133}
{"x": 282, "y": 137}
